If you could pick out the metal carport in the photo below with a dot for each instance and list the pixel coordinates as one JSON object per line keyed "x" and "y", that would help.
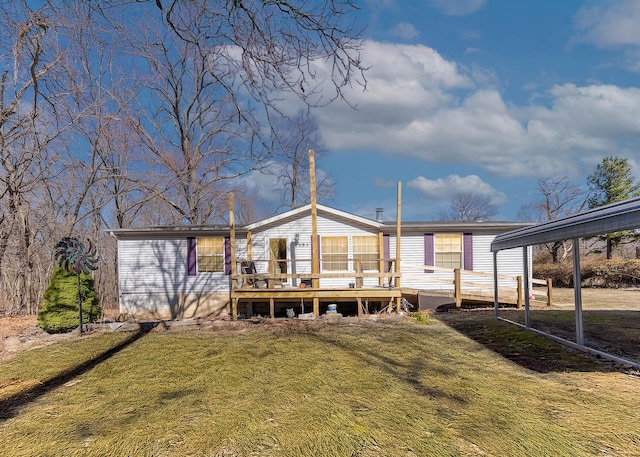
{"x": 624, "y": 215}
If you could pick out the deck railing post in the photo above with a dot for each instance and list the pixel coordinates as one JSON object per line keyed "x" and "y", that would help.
{"x": 519, "y": 292}
{"x": 272, "y": 270}
{"x": 457, "y": 287}
{"x": 549, "y": 292}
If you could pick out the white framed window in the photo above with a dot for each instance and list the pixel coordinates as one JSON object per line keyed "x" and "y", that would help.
{"x": 334, "y": 253}
{"x": 210, "y": 254}
{"x": 448, "y": 250}
{"x": 366, "y": 249}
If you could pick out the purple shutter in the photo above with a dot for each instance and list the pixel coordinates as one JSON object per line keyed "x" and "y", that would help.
{"x": 192, "y": 260}
{"x": 227, "y": 255}
{"x": 429, "y": 256}
{"x": 386, "y": 242}
{"x": 467, "y": 251}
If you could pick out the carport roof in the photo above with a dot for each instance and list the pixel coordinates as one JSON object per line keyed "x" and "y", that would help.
{"x": 624, "y": 215}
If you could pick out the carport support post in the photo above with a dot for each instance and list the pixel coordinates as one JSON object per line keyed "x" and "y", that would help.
{"x": 577, "y": 292}
{"x": 495, "y": 283}
{"x": 525, "y": 260}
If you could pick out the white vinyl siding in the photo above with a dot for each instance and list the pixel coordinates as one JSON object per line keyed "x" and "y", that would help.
{"x": 160, "y": 266}
{"x": 413, "y": 263}
{"x": 328, "y": 226}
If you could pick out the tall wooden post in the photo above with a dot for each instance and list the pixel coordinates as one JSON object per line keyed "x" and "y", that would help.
{"x": 315, "y": 270}
{"x": 398, "y": 239}
{"x": 381, "y": 260}
{"x": 249, "y": 246}
{"x": 232, "y": 253}
{"x": 519, "y": 292}
{"x": 457, "y": 287}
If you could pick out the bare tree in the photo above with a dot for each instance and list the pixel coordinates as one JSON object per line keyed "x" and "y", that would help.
{"x": 104, "y": 122}
{"x": 293, "y": 137}
{"x": 195, "y": 140}
{"x": 269, "y": 46}
{"x": 558, "y": 198}
{"x": 28, "y": 126}
{"x": 468, "y": 206}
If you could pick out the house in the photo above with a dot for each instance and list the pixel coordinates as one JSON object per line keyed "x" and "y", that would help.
{"x": 186, "y": 271}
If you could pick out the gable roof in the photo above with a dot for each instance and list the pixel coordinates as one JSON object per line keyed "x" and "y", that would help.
{"x": 320, "y": 209}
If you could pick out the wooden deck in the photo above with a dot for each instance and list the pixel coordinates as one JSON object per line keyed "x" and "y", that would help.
{"x": 314, "y": 297}
{"x": 271, "y": 289}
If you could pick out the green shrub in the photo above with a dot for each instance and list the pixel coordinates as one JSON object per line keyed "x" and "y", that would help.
{"x": 422, "y": 317}
{"x": 59, "y": 311}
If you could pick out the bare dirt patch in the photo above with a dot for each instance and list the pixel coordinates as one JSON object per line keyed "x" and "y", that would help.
{"x": 18, "y": 333}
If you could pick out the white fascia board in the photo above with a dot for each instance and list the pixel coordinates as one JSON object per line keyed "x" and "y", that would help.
{"x": 307, "y": 209}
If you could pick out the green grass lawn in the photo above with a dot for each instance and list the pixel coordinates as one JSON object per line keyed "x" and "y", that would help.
{"x": 375, "y": 389}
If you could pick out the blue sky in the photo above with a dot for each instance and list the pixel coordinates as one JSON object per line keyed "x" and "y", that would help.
{"x": 485, "y": 96}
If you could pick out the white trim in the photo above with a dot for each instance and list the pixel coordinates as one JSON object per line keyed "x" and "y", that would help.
{"x": 320, "y": 208}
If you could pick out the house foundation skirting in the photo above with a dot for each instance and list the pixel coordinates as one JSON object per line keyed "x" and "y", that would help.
{"x": 160, "y": 306}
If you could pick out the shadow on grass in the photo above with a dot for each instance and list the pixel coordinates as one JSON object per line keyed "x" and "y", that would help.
{"x": 10, "y": 407}
{"x": 408, "y": 372}
{"x": 527, "y": 349}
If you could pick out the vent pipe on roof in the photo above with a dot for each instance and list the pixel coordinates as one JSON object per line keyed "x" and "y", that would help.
{"x": 379, "y": 214}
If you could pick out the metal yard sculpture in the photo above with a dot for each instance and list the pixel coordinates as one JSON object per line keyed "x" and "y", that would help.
{"x": 75, "y": 257}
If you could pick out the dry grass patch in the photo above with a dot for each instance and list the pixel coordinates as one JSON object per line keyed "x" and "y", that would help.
{"x": 595, "y": 298}
{"x": 309, "y": 390}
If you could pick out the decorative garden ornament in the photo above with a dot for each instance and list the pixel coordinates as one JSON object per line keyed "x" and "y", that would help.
{"x": 72, "y": 255}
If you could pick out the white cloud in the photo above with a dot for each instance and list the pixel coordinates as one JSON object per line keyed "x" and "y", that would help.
{"x": 612, "y": 25}
{"x": 421, "y": 105}
{"x": 458, "y": 7}
{"x": 405, "y": 30}
{"x": 441, "y": 115}
{"x": 473, "y": 51}
{"x": 452, "y": 185}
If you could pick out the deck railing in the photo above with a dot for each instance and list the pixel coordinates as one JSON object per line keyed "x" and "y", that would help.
{"x": 458, "y": 282}
{"x": 269, "y": 273}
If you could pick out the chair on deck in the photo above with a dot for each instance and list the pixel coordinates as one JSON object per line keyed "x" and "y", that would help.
{"x": 249, "y": 268}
